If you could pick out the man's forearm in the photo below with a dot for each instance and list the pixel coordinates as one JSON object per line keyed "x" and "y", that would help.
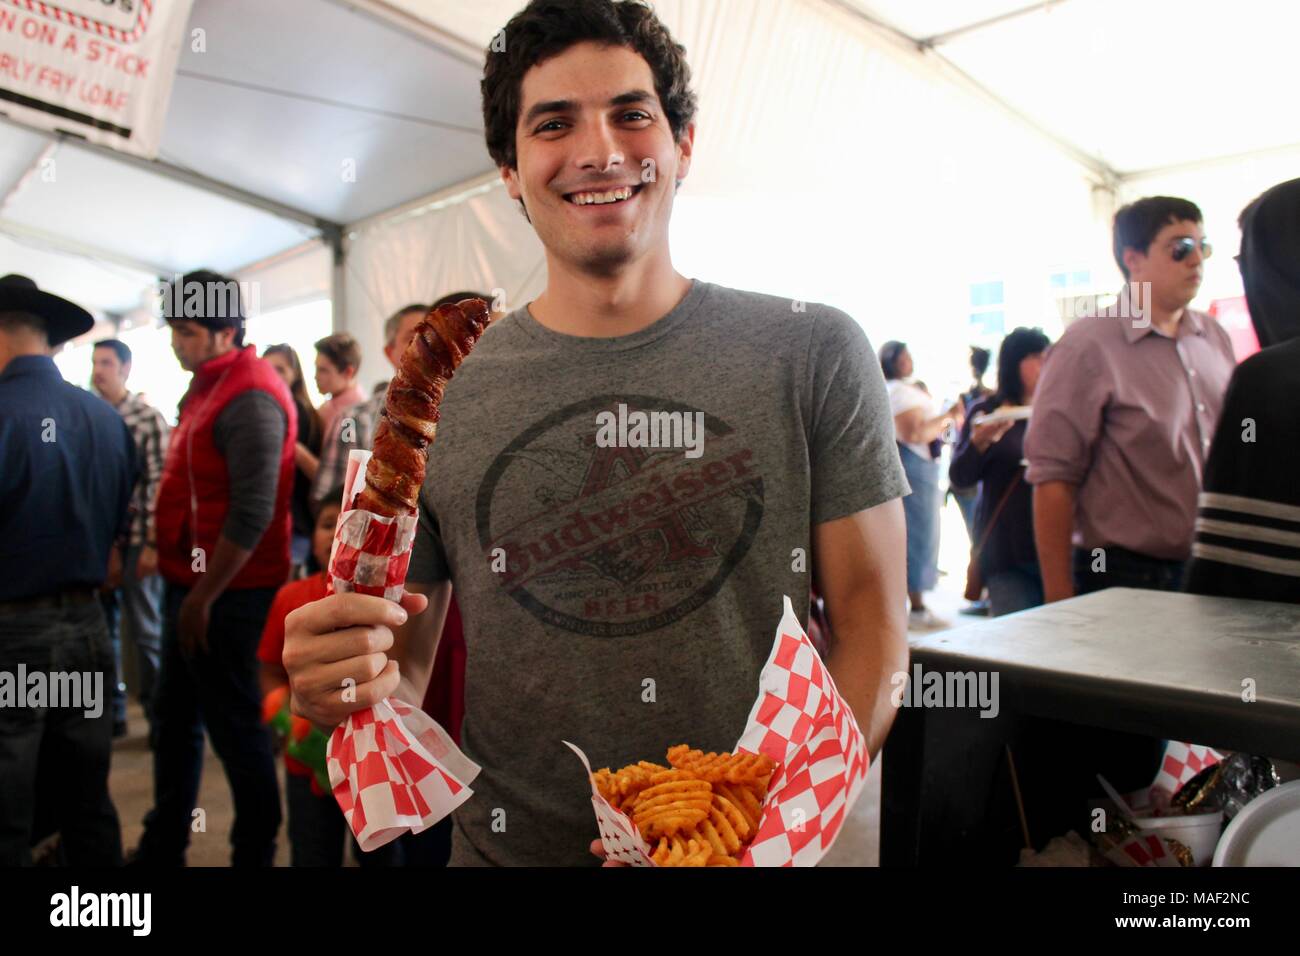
{"x": 222, "y": 566}
{"x": 1053, "y": 529}
{"x": 859, "y": 569}
{"x": 869, "y": 647}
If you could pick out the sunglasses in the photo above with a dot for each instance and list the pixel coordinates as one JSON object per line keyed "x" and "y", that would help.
{"x": 1182, "y": 248}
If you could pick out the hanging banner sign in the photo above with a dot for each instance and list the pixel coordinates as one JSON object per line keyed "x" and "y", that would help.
{"x": 101, "y": 69}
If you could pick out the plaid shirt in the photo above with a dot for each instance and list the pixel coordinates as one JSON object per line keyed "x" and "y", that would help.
{"x": 150, "y": 431}
{"x": 359, "y": 422}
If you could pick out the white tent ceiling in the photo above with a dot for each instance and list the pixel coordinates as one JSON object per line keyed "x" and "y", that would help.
{"x": 287, "y": 98}
{"x": 294, "y": 118}
{"x": 1138, "y": 84}
{"x": 1133, "y": 84}
{"x": 288, "y": 92}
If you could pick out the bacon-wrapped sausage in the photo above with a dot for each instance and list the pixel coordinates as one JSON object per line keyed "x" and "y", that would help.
{"x": 409, "y": 422}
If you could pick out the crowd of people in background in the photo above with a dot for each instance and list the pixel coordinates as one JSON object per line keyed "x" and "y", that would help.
{"x": 221, "y": 525}
{"x": 1129, "y": 453}
{"x": 1134, "y": 452}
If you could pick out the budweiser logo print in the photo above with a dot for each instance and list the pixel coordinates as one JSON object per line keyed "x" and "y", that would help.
{"x": 615, "y": 540}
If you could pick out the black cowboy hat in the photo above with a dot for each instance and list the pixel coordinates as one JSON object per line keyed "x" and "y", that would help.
{"x": 63, "y": 320}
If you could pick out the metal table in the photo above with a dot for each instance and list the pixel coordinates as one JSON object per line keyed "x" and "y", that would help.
{"x": 1158, "y": 664}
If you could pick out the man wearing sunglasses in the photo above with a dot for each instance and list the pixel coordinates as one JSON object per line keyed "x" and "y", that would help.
{"x": 1124, "y": 414}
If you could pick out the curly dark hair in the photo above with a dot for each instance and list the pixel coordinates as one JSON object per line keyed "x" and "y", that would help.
{"x": 546, "y": 28}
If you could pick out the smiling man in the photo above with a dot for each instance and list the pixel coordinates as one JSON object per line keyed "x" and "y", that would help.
{"x": 1124, "y": 415}
{"x": 623, "y": 596}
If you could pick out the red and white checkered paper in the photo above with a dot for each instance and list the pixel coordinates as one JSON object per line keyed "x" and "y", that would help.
{"x": 1142, "y": 849}
{"x": 371, "y": 552}
{"x": 800, "y": 721}
{"x": 1180, "y": 763}
{"x": 394, "y": 770}
{"x": 391, "y": 767}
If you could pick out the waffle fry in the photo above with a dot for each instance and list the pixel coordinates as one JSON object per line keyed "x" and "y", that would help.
{"x": 722, "y": 768}
{"x": 701, "y": 810}
{"x": 672, "y": 806}
{"x": 621, "y": 788}
{"x": 744, "y": 800}
{"x": 675, "y": 851}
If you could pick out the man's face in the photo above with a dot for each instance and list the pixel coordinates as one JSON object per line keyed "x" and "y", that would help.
{"x": 330, "y": 379}
{"x": 1173, "y": 284}
{"x": 193, "y": 344}
{"x": 108, "y": 373}
{"x": 590, "y": 122}
{"x": 405, "y": 332}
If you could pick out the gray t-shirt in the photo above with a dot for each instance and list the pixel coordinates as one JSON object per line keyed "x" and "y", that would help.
{"x": 626, "y": 597}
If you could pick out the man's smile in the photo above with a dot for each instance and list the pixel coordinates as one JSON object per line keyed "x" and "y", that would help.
{"x": 605, "y": 197}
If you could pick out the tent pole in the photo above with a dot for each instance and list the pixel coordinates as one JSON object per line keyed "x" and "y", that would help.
{"x": 947, "y": 35}
{"x": 412, "y": 25}
{"x": 1099, "y": 169}
{"x": 190, "y": 178}
{"x": 1198, "y": 164}
{"x": 21, "y": 182}
{"x": 446, "y": 197}
{"x": 338, "y": 283}
{"x": 39, "y": 237}
{"x": 275, "y": 258}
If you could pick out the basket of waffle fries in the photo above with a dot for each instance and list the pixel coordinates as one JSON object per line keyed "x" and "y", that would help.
{"x": 702, "y": 809}
{"x": 778, "y": 799}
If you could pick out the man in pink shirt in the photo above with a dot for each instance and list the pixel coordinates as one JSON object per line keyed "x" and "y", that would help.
{"x": 1124, "y": 415}
{"x": 338, "y": 359}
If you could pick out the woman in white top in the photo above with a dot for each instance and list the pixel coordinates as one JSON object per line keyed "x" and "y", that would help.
{"x": 917, "y": 423}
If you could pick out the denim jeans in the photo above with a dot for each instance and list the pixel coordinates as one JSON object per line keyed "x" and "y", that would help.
{"x": 318, "y": 831}
{"x": 967, "y": 503}
{"x": 134, "y": 614}
{"x": 112, "y": 614}
{"x": 1014, "y": 589}
{"x": 218, "y": 690}
{"x": 921, "y": 511}
{"x": 54, "y": 759}
{"x": 428, "y": 848}
{"x": 1126, "y": 569}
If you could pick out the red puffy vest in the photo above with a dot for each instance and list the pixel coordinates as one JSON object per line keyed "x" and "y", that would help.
{"x": 194, "y": 494}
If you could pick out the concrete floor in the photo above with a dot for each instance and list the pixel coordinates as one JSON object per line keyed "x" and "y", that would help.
{"x": 130, "y": 781}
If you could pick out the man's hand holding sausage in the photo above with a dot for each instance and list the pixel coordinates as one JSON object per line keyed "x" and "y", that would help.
{"x": 342, "y": 643}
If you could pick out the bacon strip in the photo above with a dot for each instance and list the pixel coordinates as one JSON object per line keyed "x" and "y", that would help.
{"x": 400, "y": 452}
